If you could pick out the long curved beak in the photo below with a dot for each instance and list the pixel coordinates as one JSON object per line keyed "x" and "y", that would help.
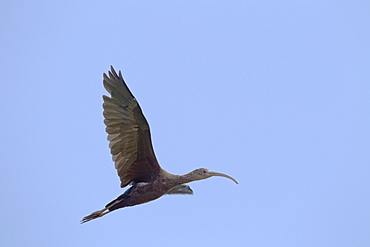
{"x": 223, "y": 175}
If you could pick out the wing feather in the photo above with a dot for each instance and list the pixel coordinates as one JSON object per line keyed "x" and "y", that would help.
{"x": 128, "y": 132}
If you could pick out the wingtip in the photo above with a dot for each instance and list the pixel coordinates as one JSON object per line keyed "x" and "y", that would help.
{"x": 113, "y": 71}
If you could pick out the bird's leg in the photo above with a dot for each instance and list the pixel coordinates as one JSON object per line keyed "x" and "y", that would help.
{"x": 99, "y": 213}
{"x": 94, "y": 215}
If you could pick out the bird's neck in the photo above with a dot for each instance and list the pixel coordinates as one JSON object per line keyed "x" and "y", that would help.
{"x": 180, "y": 179}
{"x": 187, "y": 178}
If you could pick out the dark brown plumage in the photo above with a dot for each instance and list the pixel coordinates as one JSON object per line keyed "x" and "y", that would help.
{"x": 132, "y": 152}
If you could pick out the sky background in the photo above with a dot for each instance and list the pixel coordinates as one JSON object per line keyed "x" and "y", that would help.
{"x": 274, "y": 93}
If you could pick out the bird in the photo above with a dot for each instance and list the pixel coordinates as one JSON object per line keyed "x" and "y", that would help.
{"x": 132, "y": 152}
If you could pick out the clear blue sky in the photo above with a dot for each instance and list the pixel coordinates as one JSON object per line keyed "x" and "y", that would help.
{"x": 276, "y": 94}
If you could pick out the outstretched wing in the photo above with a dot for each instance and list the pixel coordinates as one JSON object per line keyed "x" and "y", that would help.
{"x": 180, "y": 189}
{"x": 128, "y": 132}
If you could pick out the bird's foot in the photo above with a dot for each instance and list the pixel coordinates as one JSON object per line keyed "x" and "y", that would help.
{"x": 94, "y": 215}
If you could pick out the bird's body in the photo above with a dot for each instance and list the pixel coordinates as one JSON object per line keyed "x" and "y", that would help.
{"x": 132, "y": 151}
{"x": 143, "y": 192}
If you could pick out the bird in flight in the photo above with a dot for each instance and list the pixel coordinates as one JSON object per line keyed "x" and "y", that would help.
{"x": 132, "y": 152}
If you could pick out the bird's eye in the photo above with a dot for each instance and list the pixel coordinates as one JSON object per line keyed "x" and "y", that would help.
{"x": 204, "y": 171}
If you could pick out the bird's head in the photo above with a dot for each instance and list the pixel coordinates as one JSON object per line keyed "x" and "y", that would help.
{"x": 203, "y": 173}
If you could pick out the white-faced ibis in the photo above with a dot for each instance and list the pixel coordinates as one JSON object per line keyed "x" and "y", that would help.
{"x": 132, "y": 151}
